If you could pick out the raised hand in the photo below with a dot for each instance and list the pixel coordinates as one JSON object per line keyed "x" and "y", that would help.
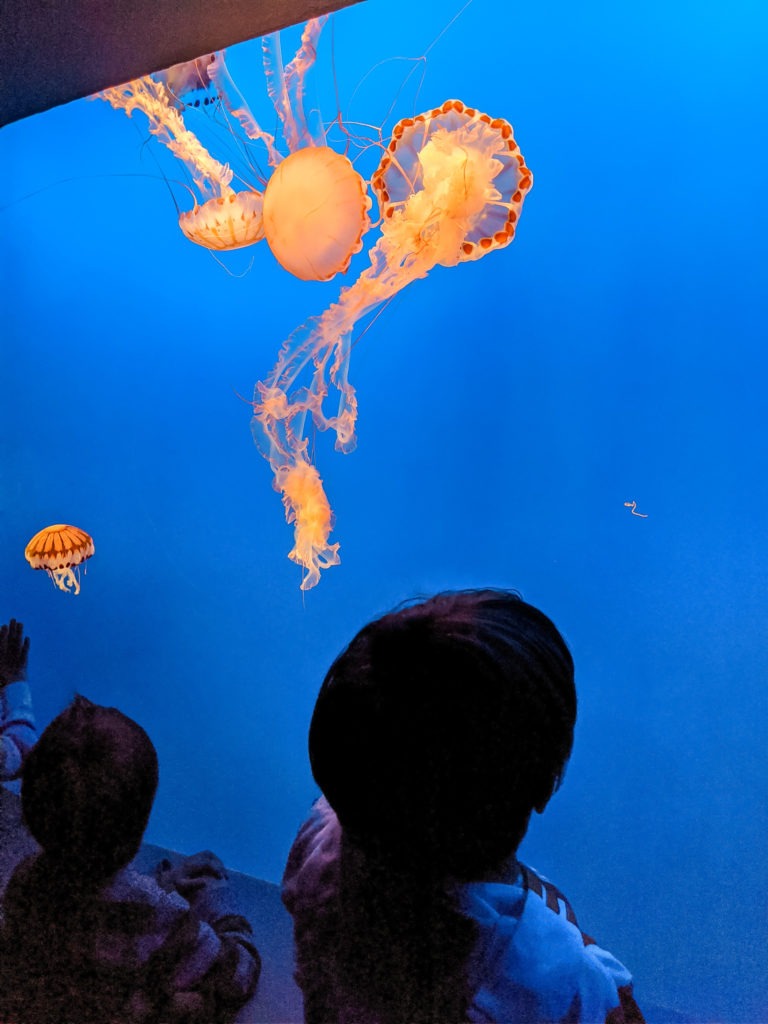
{"x": 14, "y": 650}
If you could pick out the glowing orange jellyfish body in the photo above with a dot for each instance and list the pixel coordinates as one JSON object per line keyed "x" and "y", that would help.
{"x": 450, "y": 187}
{"x": 315, "y": 209}
{"x": 315, "y": 204}
{"x": 315, "y": 213}
{"x": 60, "y": 550}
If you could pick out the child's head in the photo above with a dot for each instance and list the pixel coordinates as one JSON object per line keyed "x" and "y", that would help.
{"x": 88, "y": 787}
{"x": 443, "y": 725}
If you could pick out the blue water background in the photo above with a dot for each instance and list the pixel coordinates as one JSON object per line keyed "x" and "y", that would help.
{"x": 615, "y": 352}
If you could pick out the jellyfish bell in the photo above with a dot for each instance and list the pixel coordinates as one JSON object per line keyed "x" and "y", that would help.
{"x": 315, "y": 209}
{"x": 315, "y": 213}
{"x": 225, "y": 222}
{"x": 455, "y": 179}
{"x": 60, "y": 550}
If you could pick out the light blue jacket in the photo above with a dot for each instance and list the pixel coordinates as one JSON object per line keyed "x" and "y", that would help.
{"x": 531, "y": 962}
{"x": 18, "y": 733}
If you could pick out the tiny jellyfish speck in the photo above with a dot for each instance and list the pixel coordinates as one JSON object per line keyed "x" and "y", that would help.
{"x": 632, "y": 506}
{"x": 60, "y": 550}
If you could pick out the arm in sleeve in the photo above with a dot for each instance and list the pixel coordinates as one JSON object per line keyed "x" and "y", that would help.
{"x": 309, "y": 893}
{"x": 228, "y": 972}
{"x": 18, "y": 733}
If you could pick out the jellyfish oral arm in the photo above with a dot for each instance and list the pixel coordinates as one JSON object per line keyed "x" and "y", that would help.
{"x": 65, "y": 579}
{"x": 235, "y": 103}
{"x": 280, "y": 412}
{"x": 285, "y": 86}
{"x": 297, "y": 480}
{"x": 155, "y": 101}
{"x": 307, "y": 507}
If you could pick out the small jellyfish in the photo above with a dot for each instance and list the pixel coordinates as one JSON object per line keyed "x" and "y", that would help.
{"x": 227, "y": 222}
{"x": 226, "y": 219}
{"x": 450, "y": 187}
{"x": 60, "y": 550}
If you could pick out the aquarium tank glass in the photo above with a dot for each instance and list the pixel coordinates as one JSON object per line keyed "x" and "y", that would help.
{"x": 564, "y": 394}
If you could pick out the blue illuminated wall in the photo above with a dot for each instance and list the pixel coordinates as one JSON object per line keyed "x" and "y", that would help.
{"x": 508, "y": 409}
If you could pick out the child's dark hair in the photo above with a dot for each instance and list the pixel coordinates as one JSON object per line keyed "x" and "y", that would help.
{"x": 436, "y": 733}
{"x": 88, "y": 787}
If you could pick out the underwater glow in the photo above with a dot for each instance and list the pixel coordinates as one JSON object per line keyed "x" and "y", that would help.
{"x": 60, "y": 550}
{"x": 450, "y": 188}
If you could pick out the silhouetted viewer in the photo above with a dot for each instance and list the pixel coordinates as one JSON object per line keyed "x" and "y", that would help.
{"x": 85, "y": 938}
{"x": 435, "y": 735}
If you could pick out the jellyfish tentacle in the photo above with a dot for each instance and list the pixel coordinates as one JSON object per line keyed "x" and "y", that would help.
{"x": 237, "y": 106}
{"x": 65, "y": 580}
{"x": 307, "y": 507}
{"x": 166, "y": 122}
{"x": 285, "y": 85}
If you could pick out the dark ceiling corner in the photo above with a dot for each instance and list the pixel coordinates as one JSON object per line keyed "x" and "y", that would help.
{"x": 54, "y": 51}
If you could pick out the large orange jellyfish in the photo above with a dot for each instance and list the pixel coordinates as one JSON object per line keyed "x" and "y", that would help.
{"x": 315, "y": 203}
{"x": 60, "y": 550}
{"x": 450, "y": 188}
{"x": 314, "y": 208}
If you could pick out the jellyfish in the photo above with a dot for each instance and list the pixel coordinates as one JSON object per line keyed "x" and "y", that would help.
{"x": 315, "y": 213}
{"x": 226, "y": 219}
{"x": 313, "y": 210}
{"x": 60, "y": 550}
{"x": 315, "y": 205}
{"x": 450, "y": 188}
